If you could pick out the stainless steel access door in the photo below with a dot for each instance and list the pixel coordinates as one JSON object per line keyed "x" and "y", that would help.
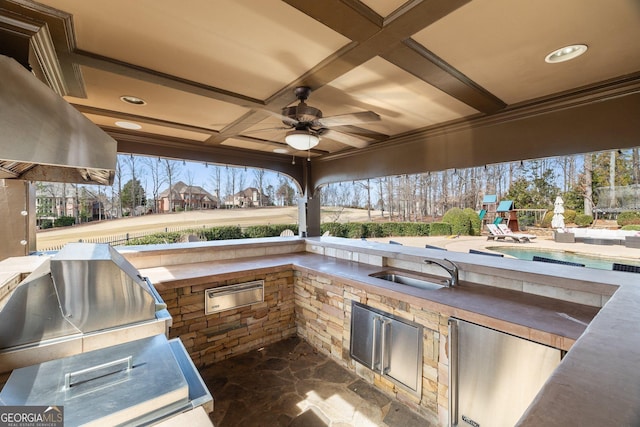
{"x": 494, "y": 376}
{"x": 388, "y": 345}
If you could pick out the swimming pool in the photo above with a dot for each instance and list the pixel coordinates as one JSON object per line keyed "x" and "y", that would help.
{"x": 588, "y": 261}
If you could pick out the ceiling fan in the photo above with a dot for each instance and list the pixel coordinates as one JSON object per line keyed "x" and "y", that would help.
{"x": 307, "y": 124}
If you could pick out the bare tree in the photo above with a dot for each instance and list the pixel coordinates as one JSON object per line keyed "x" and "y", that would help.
{"x": 588, "y": 191}
{"x": 118, "y": 181}
{"x": 216, "y": 177}
{"x": 171, "y": 170}
{"x": 154, "y": 169}
{"x": 132, "y": 166}
{"x": 612, "y": 179}
{"x": 190, "y": 183}
{"x": 258, "y": 179}
{"x": 635, "y": 160}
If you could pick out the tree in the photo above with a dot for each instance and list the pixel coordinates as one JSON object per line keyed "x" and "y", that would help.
{"x": 285, "y": 193}
{"x": 133, "y": 194}
{"x": 588, "y": 184}
{"x": 171, "y": 170}
{"x": 155, "y": 173}
{"x": 118, "y": 181}
{"x": 258, "y": 179}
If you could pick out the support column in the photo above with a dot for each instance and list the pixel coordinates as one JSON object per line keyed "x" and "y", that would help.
{"x": 308, "y": 216}
{"x": 18, "y": 214}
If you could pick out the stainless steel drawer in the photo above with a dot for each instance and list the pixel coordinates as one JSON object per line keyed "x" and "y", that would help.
{"x": 233, "y": 296}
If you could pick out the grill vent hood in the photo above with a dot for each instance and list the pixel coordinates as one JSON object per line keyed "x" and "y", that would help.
{"x": 43, "y": 138}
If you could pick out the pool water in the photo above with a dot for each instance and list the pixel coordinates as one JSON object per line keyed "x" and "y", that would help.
{"x": 588, "y": 261}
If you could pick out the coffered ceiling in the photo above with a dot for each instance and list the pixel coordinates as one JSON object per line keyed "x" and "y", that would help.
{"x": 455, "y": 83}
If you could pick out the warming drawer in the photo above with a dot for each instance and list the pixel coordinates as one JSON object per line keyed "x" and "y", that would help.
{"x": 233, "y": 296}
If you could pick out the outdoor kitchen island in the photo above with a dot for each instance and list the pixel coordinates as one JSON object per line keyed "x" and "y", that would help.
{"x": 309, "y": 285}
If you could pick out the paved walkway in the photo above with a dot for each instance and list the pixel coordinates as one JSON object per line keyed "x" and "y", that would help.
{"x": 289, "y": 384}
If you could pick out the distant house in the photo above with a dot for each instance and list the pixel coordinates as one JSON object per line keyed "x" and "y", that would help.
{"x": 186, "y": 197}
{"x": 247, "y": 198}
{"x": 54, "y": 200}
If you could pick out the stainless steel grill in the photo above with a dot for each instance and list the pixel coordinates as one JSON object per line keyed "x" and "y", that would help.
{"x": 89, "y": 297}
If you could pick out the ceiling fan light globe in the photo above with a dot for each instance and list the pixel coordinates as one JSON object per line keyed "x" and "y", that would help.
{"x": 301, "y": 140}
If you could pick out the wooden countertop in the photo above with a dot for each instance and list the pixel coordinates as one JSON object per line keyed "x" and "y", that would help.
{"x": 546, "y": 320}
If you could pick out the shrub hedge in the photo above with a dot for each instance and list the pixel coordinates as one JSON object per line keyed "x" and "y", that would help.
{"x": 64, "y": 221}
{"x": 583, "y": 220}
{"x": 440, "y": 229}
{"x": 569, "y": 218}
{"x": 476, "y": 222}
{"x": 628, "y": 218}
{"x": 353, "y": 230}
{"x": 459, "y": 220}
{"x": 631, "y": 227}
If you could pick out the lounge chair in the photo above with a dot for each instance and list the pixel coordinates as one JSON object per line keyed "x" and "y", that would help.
{"x": 434, "y": 247}
{"x": 496, "y": 234}
{"x": 474, "y": 251}
{"x": 522, "y": 236}
{"x": 556, "y": 261}
{"x": 626, "y": 267}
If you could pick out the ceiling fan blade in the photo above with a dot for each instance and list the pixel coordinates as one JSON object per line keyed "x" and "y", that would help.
{"x": 271, "y": 129}
{"x": 367, "y": 134}
{"x": 348, "y": 119}
{"x": 285, "y": 119}
{"x": 344, "y": 138}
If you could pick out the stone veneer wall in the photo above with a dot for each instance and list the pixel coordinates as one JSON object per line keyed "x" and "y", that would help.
{"x": 218, "y": 336}
{"x": 323, "y": 318}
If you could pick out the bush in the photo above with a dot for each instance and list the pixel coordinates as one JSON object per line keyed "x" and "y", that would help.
{"x": 628, "y": 218}
{"x": 256, "y": 231}
{"x": 631, "y": 227}
{"x": 374, "y": 229}
{"x": 156, "y": 239}
{"x": 569, "y": 218}
{"x": 476, "y": 223}
{"x": 440, "y": 229}
{"x": 334, "y": 228}
{"x": 355, "y": 230}
{"x": 46, "y": 223}
{"x": 64, "y": 221}
{"x": 222, "y": 233}
{"x": 460, "y": 222}
{"x": 583, "y": 220}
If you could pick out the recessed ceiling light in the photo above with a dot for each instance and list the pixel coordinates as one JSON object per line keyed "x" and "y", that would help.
{"x": 280, "y": 150}
{"x": 133, "y": 100}
{"x": 128, "y": 125}
{"x": 566, "y": 53}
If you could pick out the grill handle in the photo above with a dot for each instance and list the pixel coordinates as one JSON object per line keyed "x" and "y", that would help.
{"x": 98, "y": 371}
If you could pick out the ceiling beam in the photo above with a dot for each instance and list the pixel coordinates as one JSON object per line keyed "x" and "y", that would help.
{"x": 392, "y": 41}
{"x": 178, "y": 148}
{"x": 86, "y": 109}
{"x": 114, "y": 66}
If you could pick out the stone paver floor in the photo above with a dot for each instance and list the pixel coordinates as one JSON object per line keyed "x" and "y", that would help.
{"x": 289, "y": 384}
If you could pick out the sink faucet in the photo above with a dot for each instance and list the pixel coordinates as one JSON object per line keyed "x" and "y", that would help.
{"x": 452, "y": 270}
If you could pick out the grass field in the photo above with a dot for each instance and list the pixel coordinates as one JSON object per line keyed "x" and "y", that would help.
{"x": 196, "y": 219}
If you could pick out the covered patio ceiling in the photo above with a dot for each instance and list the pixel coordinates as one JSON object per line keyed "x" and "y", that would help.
{"x": 455, "y": 83}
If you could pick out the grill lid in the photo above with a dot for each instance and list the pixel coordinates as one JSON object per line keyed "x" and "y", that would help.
{"x": 86, "y": 287}
{"x": 110, "y": 386}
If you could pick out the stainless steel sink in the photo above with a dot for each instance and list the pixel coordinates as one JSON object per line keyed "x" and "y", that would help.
{"x": 408, "y": 279}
